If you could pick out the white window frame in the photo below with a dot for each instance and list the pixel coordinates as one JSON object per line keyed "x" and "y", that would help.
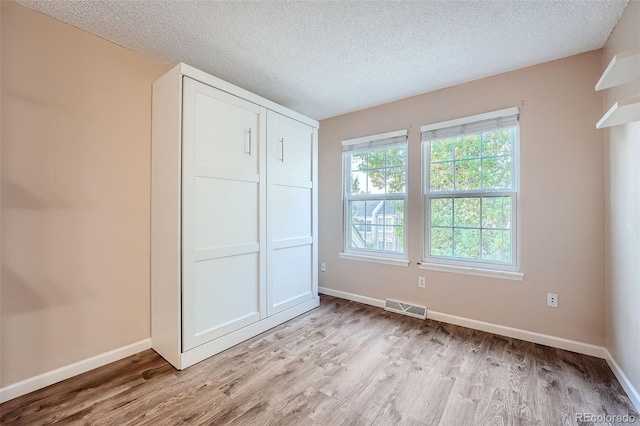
{"x": 474, "y": 267}
{"x": 363, "y": 144}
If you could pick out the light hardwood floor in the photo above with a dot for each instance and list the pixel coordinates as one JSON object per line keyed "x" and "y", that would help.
{"x": 343, "y": 363}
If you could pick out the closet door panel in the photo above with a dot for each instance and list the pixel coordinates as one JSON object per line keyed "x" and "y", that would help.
{"x": 226, "y": 295}
{"x": 292, "y": 273}
{"x": 289, "y": 213}
{"x": 225, "y": 213}
{"x": 222, "y": 275}
{"x": 226, "y": 131}
{"x": 290, "y": 149}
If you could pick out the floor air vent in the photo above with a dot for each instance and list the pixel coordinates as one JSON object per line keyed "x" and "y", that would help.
{"x": 405, "y": 308}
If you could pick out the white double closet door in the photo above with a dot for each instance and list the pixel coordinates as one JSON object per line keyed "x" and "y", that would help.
{"x": 246, "y": 213}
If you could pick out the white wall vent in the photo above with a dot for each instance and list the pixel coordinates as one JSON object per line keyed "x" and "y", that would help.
{"x": 405, "y": 308}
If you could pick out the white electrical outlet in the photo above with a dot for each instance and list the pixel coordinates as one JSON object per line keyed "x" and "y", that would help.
{"x": 323, "y": 267}
{"x": 552, "y": 300}
{"x": 421, "y": 282}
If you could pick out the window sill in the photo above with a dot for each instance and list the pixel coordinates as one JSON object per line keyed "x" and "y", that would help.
{"x": 504, "y": 275}
{"x": 374, "y": 259}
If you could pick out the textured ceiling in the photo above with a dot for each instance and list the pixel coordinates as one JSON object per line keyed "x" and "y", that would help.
{"x": 326, "y": 58}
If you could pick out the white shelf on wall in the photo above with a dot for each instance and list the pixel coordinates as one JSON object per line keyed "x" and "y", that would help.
{"x": 623, "y": 68}
{"x": 621, "y": 112}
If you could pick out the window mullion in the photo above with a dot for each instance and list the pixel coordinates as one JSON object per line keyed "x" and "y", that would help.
{"x": 367, "y": 197}
{"x": 470, "y": 193}
{"x": 455, "y": 183}
{"x": 453, "y": 227}
{"x": 482, "y": 162}
{"x": 366, "y": 186}
{"x": 481, "y": 233}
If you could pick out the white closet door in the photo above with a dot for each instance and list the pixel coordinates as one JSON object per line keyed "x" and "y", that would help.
{"x": 290, "y": 250}
{"x": 222, "y": 223}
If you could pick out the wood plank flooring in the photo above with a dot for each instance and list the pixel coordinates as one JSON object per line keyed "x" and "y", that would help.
{"x": 343, "y": 363}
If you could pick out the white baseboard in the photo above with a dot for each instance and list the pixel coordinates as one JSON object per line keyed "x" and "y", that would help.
{"x": 43, "y": 380}
{"x": 517, "y": 333}
{"x": 632, "y": 392}
{"x": 529, "y": 336}
{"x": 350, "y": 296}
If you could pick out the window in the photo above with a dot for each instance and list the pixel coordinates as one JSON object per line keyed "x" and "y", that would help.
{"x": 375, "y": 195}
{"x": 470, "y": 186}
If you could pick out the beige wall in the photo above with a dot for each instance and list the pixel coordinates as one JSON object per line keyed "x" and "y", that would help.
{"x": 76, "y": 137}
{"x": 622, "y": 153}
{"x": 562, "y": 202}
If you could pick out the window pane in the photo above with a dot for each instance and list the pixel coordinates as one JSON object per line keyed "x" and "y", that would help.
{"x": 441, "y": 242}
{"x": 496, "y": 212}
{"x": 396, "y": 156}
{"x": 442, "y": 212}
{"x": 379, "y": 171}
{"x": 498, "y": 142}
{"x": 377, "y": 181}
{"x": 397, "y": 242}
{"x": 393, "y": 212}
{"x": 399, "y": 223}
{"x": 467, "y": 175}
{"x": 442, "y": 150}
{"x": 377, "y": 225}
{"x": 358, "y": 161}
{"x": 393, "y": 209}
{"x": 396, "y": 180}
{"x": 376, "y": 171}
{"x": 377, "y": 234}
{"x": 467, "y": 243}
{"x": 441, "y": 177}
{"x": 385, "y": 212}
{"x": 496, "y": 245}
{"x": 496, "y": 173}
{"x": 358, "y": 183}
{"x": 468, "y": 147}
{"x": 357, "y": 225}
{"x": 466, "y": 212}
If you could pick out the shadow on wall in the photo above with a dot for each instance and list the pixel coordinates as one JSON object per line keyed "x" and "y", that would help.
{"x": 33, "y": 251}
{"x": 39, "y": 275}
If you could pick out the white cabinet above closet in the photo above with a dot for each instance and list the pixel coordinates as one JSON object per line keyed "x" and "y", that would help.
{"x": 234, "y": 215}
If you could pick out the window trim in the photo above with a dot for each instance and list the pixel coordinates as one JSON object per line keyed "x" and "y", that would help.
{"x": 470, "y": 119}
{"x": 373, "y": 141}
{"x": 473, "y": 267}
{"x": 374, "y": 259}
{"x": 370, "y": 143}
{"x": 481, "y": 272}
